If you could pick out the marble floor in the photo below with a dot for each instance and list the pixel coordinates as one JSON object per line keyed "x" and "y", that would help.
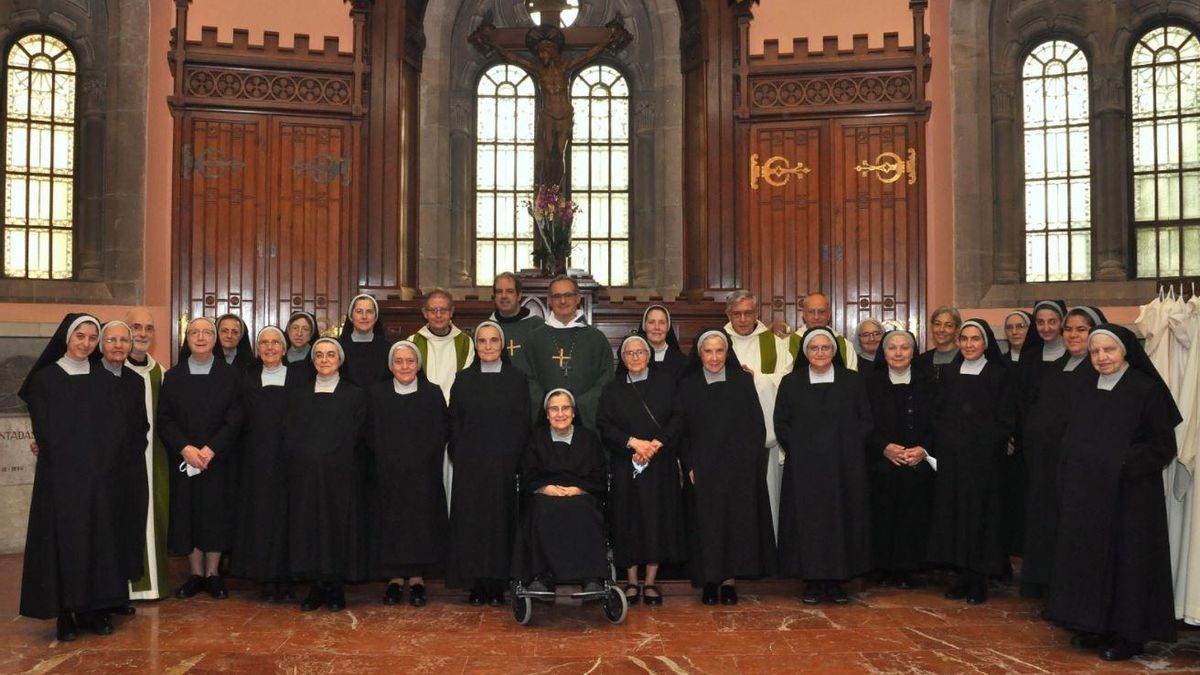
{"x": 882, "y": 630}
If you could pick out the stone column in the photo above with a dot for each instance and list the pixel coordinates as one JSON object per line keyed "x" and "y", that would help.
{"x": 89, "y": 198}
{"x": 1110, "y": 189}
{"x": 1009, "y": 209}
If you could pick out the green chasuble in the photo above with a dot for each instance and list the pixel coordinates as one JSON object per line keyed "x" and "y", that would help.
{"x": 578, "y": 358}
{"x": 153, "y": 584}
{"x": 516, "y": 334}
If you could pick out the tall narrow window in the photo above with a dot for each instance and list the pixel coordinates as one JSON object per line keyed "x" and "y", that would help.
{"x": 503, "y": 172}
{"x": 39, "y": 166}
{"x": 600, "y": 174}
{"x": 1165, "y": 115}
{"x": 1058, "y": 205}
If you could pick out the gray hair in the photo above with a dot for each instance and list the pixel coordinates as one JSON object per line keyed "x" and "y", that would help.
{"x": 947, "y": 309}
{"x": 866, "y": 321}
{"x": 436, "y": 291}
{"x": 738, "y": 296}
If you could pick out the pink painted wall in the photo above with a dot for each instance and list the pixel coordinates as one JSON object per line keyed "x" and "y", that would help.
{"x": 317, "y": 19}
{"x": 784, "y": 20}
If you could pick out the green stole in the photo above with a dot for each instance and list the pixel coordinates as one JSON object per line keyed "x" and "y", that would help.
{"x": 462, "y": 347}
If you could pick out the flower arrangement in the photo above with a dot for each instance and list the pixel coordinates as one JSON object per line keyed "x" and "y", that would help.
{"x": 552, "y": 216}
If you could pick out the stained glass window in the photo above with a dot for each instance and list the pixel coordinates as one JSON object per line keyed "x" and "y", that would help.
{"x": 39, "y": 159}
{"x": 504, "y": 130}
{"x": 1058, "y": 205}
{"x": 1165, "y": 118}
{"x": 599, "y": 174}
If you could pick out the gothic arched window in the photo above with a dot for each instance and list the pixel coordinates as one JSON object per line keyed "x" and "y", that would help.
{"x": 1165, "y": 138}
{"x": 1058, "y": 212}
{"x": 599, "y": 174}
{"x": 39, "y": 166}
{"x": 504, "y": 125}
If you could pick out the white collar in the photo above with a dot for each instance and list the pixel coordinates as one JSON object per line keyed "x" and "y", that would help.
{"x": 553, "y": 321}
{"x": 1073, "y": 363}
{"x": 1052, "y": 351}
{"x": 713, "y": 378}
{"x": 660, "y": 354}
{"x": 404, "y": 389}
{"x": 430, "y": 335}
{"x": 900, "y": 376}
{"x": 972, "y": 367}
{"x": 197, "y": 368}
{"x": 1107, "y": 382}
{"x": 230, "y": 355}
{"x": 326, "y": 384}
{"x": 115, "y": 369}
{"x": 821, "y": 378}
{"x": 490, "y": 366}
{"x": 145, "y": 367}
{"x": 759, "y": 327}
{"x": 72, "y": 367}
{"x": 640, "y": 377}
{"x": 356, "y": 336}
{"x": 562, "y": 438}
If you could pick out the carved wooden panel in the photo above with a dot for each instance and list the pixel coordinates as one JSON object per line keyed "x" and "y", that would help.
{"x": 846, "y": 90}
{"x": 235, "y": 84}
{"x": 220, "y": 216}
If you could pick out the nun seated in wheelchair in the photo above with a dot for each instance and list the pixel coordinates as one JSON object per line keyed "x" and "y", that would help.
{"x": 563, "y": 480}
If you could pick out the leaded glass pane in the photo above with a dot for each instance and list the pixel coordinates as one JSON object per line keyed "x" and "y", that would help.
{"x": 1191, "y": 194}
{"x": 1168, "y": 196}
{"x": 1143, "y": 197}
{"x": 14, "y": 252}
{"x": 1147, "y": 260}
{"x": 1035, "y": 257}
{"x": 1168, "y": 251}
{"x": 1191, "y": 251}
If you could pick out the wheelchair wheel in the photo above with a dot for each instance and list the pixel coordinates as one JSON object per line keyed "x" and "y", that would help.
{"x": 522, "y": 609}
{"x": 616, "y": 606}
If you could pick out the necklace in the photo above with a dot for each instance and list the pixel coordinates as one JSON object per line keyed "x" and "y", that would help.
{"x": 564, "y": 356}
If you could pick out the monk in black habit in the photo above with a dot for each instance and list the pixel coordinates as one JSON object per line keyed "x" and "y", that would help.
{"x": 1042, "y": 425}
{"x": 406, "y": 435}
{"x": 821, "y": 420}
{"x": 365, "y": 344}
{"x": 1112, "y": 570}
{"x": 656, "y": 327}
{"x": 323, "y": 437}
{"x": 640, "y": 429}
{"x": 199, "y": 422}
{"x": 489, "y": 429}
{"x": 723, "y": 457}
{"x": 563, "y": 473}
{"x": 260, "y": 540}
{"x": 903, "y": 402}
{"x": 74, "y": 561}
{"x": 972, "y": 430}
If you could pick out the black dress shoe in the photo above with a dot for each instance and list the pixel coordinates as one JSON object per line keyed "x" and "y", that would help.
{"x": 190, "y": 587}
{"x": 66, "y": 631}
{"x": 905, "y": 581}
{"x": 315, "y": 598}
{"x": 1089, "y": 641}
{"x": 476, "y": 598}
{"x": 495, "y": 592}
{"x": 634, "y": 599}
{"x": 497, "y": 599}
{"x": 728, "y": 594}
{"x": 837, "y": 594}
{"x": 1122, "y": 650}
{"x": 337, "y": 598}
{"x": 416, "y": 595}
{"x": 978, "y": 593}
{"x": 812, "y": 593}
{"x": 958, "y": 591}
{"x": 655, "y": 600}
{"x": 393, "y": 595}
{"x": 100, "y": 623}
{"x": 709, "y": 596}
{"x": 215, "y": 585}
{"x": 593, "y": 586}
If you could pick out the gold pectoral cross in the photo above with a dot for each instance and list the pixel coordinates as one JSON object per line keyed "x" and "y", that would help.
{"x": 560, "y": 358}
{"x": 512, "y": 347}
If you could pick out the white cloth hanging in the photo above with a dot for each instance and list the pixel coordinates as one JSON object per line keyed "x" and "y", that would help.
{"x": 1187, "y": 437}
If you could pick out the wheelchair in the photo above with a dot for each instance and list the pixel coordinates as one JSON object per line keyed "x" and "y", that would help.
{"x": 610, "y": 597}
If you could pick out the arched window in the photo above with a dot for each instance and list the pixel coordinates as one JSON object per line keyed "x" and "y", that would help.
{"x": 1165, "y": 118}
{"x": 599, "y": 174}
{"x": 504, "y": 124}
{"x": 1058, "y": 213}
{"x": 39, "y": 166}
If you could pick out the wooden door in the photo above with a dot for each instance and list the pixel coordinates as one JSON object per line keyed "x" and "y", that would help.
{"x": 313, "y": 235}
{"x": 876, "y": 240}
{"x": 784, "y": 212}
{"x": 220, "y": 220}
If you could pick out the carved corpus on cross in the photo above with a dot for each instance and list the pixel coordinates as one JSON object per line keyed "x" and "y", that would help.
{"x": 547, "y": 43}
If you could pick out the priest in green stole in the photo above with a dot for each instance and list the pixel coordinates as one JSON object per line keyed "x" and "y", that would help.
{"x": 517, "y": 321}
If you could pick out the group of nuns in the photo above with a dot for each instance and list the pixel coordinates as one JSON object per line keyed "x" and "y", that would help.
{"x": 320, "y": 461}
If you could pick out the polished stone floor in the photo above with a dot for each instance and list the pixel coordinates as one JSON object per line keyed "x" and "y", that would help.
{"x": 882, "y": 630}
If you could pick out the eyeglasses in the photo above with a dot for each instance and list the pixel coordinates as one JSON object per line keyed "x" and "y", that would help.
{"x": 1016, "y": 326}
{"x": 437, "y": 311}
{"x": 563, "y": 296}
{"x": 559, "y": 409}
{"x": 637, "y": 353}
{"x": 200, "y": 332}
{"x": 116, "y": 340}
{"x": 820, "y": 349}
{"x": 872, "y": 334}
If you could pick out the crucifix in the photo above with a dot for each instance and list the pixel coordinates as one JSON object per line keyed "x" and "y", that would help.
{"x": 512, "y": 347}
{"x": 561, "y": 357}
{"x": 551, "y": 71}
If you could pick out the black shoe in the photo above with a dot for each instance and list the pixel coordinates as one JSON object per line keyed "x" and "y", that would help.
{"x": 99, "y": 623}
{"x": 476, "y": 598}
{"x": 655, "y": 600}
{"x": 315, "y": 598}
{"x": 1122, "y": 650}
{"x": 836, "y": 593}
{"x": 637, "y": 594}
{"x": 728, "y": 594}
{"x": 337, "y": 598}
{"x": 190, "y": 587}
{"x": 593, "y": 586}
{"x": 978, "y": 593}
{"x": 958, "y": 591}
{"x": 813, "y": 593}
{"x": 1089, "y": 641}
{"x": 905, "y": 581}
{"x": 215, "y": 585}
{"x": 497, "y": 599}
{"x": 66, "y": 631}
{"x": 416, "y": 595}
{"x": 709, "y": 596}
{"x": 393, "y": 595}
{"x": 124, "y": 610}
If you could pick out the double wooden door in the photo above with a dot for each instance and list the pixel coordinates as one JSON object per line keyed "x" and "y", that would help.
{"x": 834, "y": 205}
{"x": 265, "y": 216}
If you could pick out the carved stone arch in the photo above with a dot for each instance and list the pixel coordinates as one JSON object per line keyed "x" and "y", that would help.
{"x": 1128, "y": 36}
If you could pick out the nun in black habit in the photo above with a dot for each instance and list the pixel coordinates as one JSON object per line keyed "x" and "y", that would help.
{"x": 301, "y": 330}
{"x": 724, "y": 462}
{"x": 903, "y": 400}
{"x": 563, "y": 472}
{"x": 260, "y": 540}
{"x": 489, "y": 429}
{"x": 323, "y": 438}
{"x": 640, "y": 429}
{"x": 972, "y": 430}
{"x": 365, "y": 344}
{"x": 74, "y": 559}
{"x": 821, "y": 421}
{"x": 199, "y": 422}
{"x": 406, "y": 436}
{"x": 1112, "y": 573}
{"x": 1043, "y": 423}
{"x": 659, "y": 331}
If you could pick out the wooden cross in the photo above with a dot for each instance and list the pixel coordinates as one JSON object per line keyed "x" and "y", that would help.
{"x": 512, "y": 347}
{"x": 560, "y": 358}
